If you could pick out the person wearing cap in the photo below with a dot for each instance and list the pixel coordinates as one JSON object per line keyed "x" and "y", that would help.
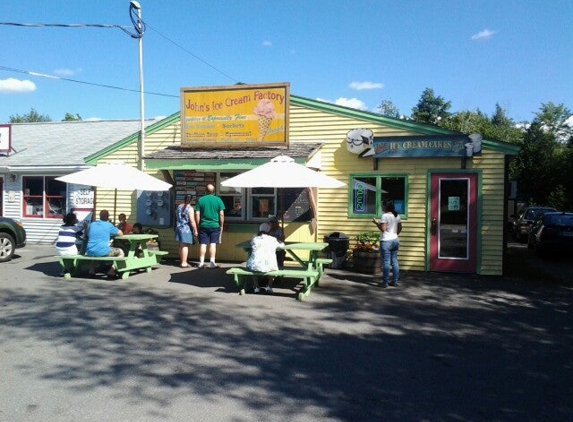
{"x": 277, "y": 232}
{"x": 263, "y": 257}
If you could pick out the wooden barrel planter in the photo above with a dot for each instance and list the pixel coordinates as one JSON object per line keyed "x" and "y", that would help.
{"x": 367, "y": 262}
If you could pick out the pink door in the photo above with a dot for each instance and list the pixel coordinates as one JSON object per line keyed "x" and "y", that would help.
{"x": 453, "y": 222}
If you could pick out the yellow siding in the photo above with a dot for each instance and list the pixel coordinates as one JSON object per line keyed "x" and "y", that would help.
{"x": 307, "y": 125}
{"x": 311, "y": 126}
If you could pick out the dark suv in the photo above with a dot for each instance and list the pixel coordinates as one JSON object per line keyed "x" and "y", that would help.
{"x": 522, "y": 221}
{"x": 12, "y": 236}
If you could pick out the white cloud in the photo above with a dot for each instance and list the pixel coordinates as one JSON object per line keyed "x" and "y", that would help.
{"x": 362, "y": 86}
{"x": 347, "y": 102}
{"x": 66, "y": 72}
{"x": 486, "y": 34}
{"x": 267, "y": 44}
{"x": 11, "y": 86}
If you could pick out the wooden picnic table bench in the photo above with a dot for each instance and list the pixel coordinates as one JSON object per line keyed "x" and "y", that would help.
{"x": 309, "y": 270}
{"x": 309, "y": 277}
{"x": 123, "y": 265}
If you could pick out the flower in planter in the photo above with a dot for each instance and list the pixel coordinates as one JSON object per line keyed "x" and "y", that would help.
{"x": 367, "y": 242}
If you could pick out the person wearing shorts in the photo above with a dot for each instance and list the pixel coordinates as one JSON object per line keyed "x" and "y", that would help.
{"x": 99, "y": 236}
{"x": 209, "y": 217}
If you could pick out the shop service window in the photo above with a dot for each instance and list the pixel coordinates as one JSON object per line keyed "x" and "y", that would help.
{"x": 44, "y": 197}
{"x": 368, "y": 192}
{"x": 233, "y": 198}
{"x": 263, "y": 202}
{"x": 246, "y": 203}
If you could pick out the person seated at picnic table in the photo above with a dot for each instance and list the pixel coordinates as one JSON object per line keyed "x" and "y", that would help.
{"x": 137, "y": 229}
{"x": 99, "y": 236}
{"x": 69, "y": 232}
{"x": 263, "y": 256}
{"x": 277, "y": 232}
{"x": 123, "y": 225}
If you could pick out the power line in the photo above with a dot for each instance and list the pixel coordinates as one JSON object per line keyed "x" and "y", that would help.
{"x": 138, "y": 34}
{"x": 44, "y": 75}
{"x": 73, "y": 25}
{"x": 194, "y": 55}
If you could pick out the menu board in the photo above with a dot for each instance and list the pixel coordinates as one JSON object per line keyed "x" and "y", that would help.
{"x": 190, "y": 182}
{"x": 296, "y": 204}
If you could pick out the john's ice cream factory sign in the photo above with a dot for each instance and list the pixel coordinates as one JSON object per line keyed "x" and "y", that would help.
{"x": 237, "y": 115}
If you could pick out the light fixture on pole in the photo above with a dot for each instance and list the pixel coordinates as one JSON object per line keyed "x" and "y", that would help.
{"x": 140, "y": 30}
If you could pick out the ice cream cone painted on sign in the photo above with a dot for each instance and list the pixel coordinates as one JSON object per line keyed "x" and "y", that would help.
{"x": 265, "y": 111}
{"x": 264, "y": 123}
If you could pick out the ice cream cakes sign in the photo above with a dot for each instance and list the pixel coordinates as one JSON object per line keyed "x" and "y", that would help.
{"x": 237, "y": 115}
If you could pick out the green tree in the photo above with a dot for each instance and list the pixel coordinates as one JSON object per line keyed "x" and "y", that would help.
{"x": 32, "y": 116}
{"x": 554, "y": 119}
{"x": 70, "y": 117}
{"x": 388, "y": 109}
{"x": 499, "y": 127}
{"x": 543, "y": 167}
{"x": 431, "y": 109}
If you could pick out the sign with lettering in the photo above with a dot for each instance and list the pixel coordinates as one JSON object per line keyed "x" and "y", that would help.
{"x": 237, "y": 115}
{"x": 360, "y": 197}
{"x": 420, "y": 146}
{"x": 80, "y": 197}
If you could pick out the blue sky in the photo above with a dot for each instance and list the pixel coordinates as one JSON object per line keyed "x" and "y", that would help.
{"x": 474, "y": 53}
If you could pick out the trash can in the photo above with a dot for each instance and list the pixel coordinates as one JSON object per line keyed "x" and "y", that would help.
{"x": 338, "y": 244}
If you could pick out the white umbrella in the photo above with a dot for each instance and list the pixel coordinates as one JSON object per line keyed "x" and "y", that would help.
{"x": 117, "y": 176}
{"x": 282, "y": 172}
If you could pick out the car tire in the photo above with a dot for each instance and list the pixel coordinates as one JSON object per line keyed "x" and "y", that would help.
{"x": 7, "y": 247}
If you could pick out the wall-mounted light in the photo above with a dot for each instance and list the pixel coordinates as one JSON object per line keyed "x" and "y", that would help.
{"x": 13, "y": 177}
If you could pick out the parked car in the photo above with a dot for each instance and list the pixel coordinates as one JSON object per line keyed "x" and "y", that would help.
{"x": 12, "y": 236}
{"x": 552, "y": 232}
{"x": 524, "y": 218}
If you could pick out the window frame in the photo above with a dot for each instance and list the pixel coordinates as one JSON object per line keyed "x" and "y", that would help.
{"x": 379, "y": 195}
{"x": 44, "y": 198}
{"x": 247, "y": 199}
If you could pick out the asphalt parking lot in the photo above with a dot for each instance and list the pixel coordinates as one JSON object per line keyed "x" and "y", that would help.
{"x": 181, "y": 345}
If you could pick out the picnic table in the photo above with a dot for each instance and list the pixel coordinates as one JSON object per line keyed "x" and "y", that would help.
{"x": 139, "y": 256}
{"x": 309, "y": 270}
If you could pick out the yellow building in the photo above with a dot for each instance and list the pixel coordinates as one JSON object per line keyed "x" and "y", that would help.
{"x": 450, "y": 190}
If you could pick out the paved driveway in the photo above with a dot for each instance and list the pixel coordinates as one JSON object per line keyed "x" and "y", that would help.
{"x": 181, "y": 345}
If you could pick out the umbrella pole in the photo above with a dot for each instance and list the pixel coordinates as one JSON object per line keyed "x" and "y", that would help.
{"x": 114, "y": 206}
{"x": 94, "y": 205}
{"x": 281, "y": 206}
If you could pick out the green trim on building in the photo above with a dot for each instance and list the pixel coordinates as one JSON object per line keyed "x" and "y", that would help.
{"x": 162, "y": 124}
{"x": 369, "y": 116}
{"x": 406, "y": 125}
{"x": 209, "y": 164}
{"x": 503, "y": 147}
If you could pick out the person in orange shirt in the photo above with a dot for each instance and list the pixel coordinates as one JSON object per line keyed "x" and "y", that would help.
{"x": 123, "y": 225}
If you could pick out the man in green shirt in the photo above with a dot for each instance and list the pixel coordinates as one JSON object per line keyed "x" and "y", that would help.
{"x": 210, "y": 217}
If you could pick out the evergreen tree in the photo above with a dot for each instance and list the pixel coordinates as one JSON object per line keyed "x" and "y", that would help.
{"x": 431, "y": 109}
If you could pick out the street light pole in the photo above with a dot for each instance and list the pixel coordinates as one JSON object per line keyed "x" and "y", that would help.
{"x": 139, "y": 29}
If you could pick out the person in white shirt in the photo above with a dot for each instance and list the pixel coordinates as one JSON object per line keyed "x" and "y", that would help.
{"x": 263, "y": 257}
{"x": 390, "y": 227}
